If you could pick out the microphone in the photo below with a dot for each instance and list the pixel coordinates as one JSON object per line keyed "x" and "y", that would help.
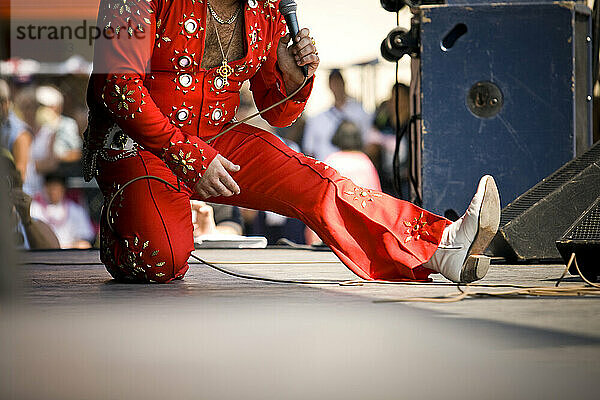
{"x": 288, "y": 9}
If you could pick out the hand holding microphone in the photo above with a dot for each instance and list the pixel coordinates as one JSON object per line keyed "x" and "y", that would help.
{"x": 297, "y": 64}
{"x": 301, "y": 59}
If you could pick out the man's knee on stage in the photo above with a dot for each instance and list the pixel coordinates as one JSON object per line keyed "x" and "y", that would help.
{"x": 139, "y": 258}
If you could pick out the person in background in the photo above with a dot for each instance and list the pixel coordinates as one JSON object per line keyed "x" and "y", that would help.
{"x": 66, "y": 146}
{"x": 382, "y": 140}
{"x": 25, "y": 107}
{"x": 320, "y": 129}
{"x": 351, "y": 161}
{"x": 69, "y": 221}
{"x": 15, "y": 135}
{"x": 57, "y": 144}
{"x": 274, "y": 227}
{"x": 293, "y": 135}
{"x": 212, "y": 218}
{"x": 30, "y": 233}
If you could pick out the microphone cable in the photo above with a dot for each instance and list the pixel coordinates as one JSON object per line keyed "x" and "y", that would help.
{"x": 260, "y": 112}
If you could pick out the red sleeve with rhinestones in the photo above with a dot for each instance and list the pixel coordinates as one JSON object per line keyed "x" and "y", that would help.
{"x": 118, "y": 80}
{"x": 268, "y": 87}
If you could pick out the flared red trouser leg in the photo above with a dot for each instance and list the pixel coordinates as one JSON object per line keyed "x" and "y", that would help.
{"x": 375, "y": 235}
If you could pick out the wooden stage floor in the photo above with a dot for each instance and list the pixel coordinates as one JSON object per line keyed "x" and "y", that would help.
{"x": 76, "y": 334}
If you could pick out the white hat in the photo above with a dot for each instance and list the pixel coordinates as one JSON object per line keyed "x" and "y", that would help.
{"x": 49, "y": 96}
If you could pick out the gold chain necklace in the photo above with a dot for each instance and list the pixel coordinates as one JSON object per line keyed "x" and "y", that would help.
{"x": 225, "y": 70}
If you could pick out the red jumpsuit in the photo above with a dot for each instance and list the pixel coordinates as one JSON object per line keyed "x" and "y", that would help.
{"x": 151, "y": 106}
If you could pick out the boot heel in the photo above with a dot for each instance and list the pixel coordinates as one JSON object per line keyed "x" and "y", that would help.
{"x": 474, "y": 268}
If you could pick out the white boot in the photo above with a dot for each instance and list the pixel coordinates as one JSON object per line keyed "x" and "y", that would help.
{"x": 458, "y": 256}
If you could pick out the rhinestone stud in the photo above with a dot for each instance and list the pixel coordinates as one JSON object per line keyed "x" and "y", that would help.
{"x": 217, "y": 114}
{"x": 191, "y": 26}
{"x": 184, "y": 61}
{"x": 219, "y": 83}
{"x": 186, "y": 80}
{"x": 183, "y": 114}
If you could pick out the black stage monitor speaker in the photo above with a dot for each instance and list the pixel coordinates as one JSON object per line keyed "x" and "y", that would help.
{"x": 583, "y": 239}
{"x": 530, "y": 225}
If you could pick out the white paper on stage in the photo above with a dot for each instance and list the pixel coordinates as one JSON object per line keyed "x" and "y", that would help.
{"x": 221, "y": 241}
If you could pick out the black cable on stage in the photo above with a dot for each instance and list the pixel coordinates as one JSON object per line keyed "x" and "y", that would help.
{"x": 413, "y": 149}
{"x": 399, "y": 136}
{"x": 396, "y": 160}
{"x": 464, "y": 290}
{"x": 271, "y": 280}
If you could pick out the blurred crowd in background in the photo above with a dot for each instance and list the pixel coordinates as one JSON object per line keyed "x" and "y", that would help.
{"x": 42, "y": 119}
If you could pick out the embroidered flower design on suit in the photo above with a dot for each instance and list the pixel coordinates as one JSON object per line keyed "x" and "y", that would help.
{"x": 184, "y": 157}
{"x": 184, "y": 160}
{"x": 107, "y": 243}
{"x": 121, "y": 96}
{"x": 137, "y": 258}
{"x": 363, "y": 195}
{"x": 127, "y": 14}
{"x": 416, "y": 228}
{"x": 122, "y": 7}
{"x": 113, "y": 213}
{"x": 254, "y": 35}
{"x": 160, "y": 34}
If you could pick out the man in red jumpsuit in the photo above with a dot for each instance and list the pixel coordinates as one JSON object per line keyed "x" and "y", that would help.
{"x": 167, "y": 76}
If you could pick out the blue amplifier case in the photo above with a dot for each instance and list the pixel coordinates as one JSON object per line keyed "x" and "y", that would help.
{"x": 505, "y": 89}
